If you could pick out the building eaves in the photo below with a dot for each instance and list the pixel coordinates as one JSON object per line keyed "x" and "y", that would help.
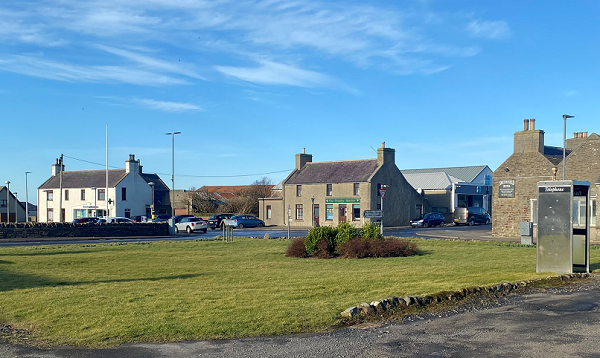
{"x": 466, "y": 174}
{"x": 85, "y": 179}
{"x": 347, "y": 171}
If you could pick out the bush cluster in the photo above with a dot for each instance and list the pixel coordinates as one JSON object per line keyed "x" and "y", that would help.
{"x": 344, "y": 241}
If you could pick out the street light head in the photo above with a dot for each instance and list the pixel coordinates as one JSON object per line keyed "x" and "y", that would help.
{"x": 565, "y": 116}
{"x": 7, "y": 182}
{"x": 173, "y": 133}
{"x": 27, "y": 172}
{"x": 151, "y": 183}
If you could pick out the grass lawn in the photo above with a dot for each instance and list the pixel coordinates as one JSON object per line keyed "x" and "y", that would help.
{"x": 108, "y": 294}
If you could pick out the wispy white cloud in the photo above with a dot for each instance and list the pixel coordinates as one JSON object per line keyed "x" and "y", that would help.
{"x": 166, "y": 106}
{"x": 495, "y": 30}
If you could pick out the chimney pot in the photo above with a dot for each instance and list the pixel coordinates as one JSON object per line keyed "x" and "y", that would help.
{"x": 574, "y": 134}
{"x": 585, "y": 134}
{"x": 532, "y": 123}
{"x": 303, "y": 150}
{"x": 382, "y": 144}
{"x": 526, "y": 124}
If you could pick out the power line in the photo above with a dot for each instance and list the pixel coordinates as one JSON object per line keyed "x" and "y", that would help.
{"x": 189, "y": 175}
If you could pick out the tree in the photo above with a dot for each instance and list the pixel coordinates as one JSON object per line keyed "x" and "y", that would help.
{"x": 246, "y": 201}
{"x": 201, "y": 201}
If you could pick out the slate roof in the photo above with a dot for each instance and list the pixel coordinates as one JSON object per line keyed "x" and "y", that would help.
{"x": 347, "y": 171}
{"x": 555, "y": 154}
{"x": 465, "y": 174}
{"x": 430, "y": 181}
{"x": 154, "y": 178}
{"x": 85, "y": 179}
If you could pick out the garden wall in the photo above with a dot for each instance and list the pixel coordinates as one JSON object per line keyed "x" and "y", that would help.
{"x": 41, "y": 230}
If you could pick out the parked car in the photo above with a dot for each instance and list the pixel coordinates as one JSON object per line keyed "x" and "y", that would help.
{"x": 85, "y": 220}
{"x": 242, "y": 221}
{"x": 178, "y": 218}
{"x": 140, "y": 219}
{"x": 191, "y": 224}
{"x": 215, "y": 220}
{"x": 427, "y": 220}
{"x": 114, "y": 219}
{"x": 471, "y": 216}
{"x": 161, "y": 218}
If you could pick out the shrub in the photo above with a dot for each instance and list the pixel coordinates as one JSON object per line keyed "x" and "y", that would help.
{"x": 296, "y": 248}
{"x": 370, "y": 231}
{"x": 316, "y": 234}
{"x": 345, "y": 232}
{"x": 323, "y": 250}
{"x": 360, "y": 248}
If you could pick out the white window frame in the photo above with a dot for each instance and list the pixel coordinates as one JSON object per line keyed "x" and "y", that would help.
{"x": 593, "y": 210}
{"x": 533, "y": 211}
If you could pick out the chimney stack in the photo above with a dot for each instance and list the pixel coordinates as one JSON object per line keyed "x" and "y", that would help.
{"x": 530, "y": 140}
{"x": 56, "y": 168}
{"x": 386, "y": 155}
{"x": 131, "y": 165}
{"x": 302, "y": 159}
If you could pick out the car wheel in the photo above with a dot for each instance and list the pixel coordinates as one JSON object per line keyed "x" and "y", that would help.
{"x": 176, "y": 230}
{"x": 261, "y": 224}
{"x": 204, "y": 231}
{"x": 471, "y": 222}
{"x": 425, "y": 224}
{"x": 240, "y": 226}
{"x": 442, "y": 224}
{"x": 189, "y": 230}
{"x": 487, "y": 221}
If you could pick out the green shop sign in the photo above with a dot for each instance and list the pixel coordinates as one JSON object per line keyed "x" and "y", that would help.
{"x": 342, "y": 200}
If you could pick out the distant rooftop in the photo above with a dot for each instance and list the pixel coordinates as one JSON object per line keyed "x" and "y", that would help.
{"x": 465, "y": 174}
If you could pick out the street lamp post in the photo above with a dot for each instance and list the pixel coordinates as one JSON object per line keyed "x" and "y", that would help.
{"x": 172, "y": 134}
{"x": 565, "y": 116}
{"x": 26, "y": 199}
{"x": 7, "y": 201}
{"x": 152, "y": 216}
{"x": 16, "y": 207}
{"x": 312, "y": 210}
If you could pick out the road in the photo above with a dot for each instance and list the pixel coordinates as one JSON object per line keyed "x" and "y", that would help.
{"x": 453, "y": 232}
{"x": 562, "y": 322}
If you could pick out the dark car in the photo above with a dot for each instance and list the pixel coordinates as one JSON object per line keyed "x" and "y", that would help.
{"x": 161, "y": 218}
{"x": 215, "y": 220}
{"x": 85, "y": 220}
{"x": 471, "y": 216}
{"x": 178, "y": 218}
{"x": 427, "y": 220}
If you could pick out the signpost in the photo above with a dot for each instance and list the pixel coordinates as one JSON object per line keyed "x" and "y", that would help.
{"x": 382, "y": 192}
{"x": 373, "y": 214}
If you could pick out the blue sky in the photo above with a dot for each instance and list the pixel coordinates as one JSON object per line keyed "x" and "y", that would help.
{"x": 250, "y": 83}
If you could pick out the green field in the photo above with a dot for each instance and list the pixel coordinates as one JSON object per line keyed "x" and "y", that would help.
{"x": 108, "y": 294}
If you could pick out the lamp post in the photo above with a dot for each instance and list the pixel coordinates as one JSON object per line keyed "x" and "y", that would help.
{"x": 565, "y": 116}
{"x": 382, "y": 191}
{"x": 7, "y": 201}
{"x": 312, "y": 210}
{"x": 26, "y": 199}
{"x": 95, "y": 197}
{"x": 152, "y": 204}
{"x": 172, "y": 134}
{"x": 16, "y": 207}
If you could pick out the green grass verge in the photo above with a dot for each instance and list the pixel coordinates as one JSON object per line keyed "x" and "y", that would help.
{"x": 108, "y": 294}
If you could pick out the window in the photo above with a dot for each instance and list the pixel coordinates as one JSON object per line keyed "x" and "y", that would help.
{"x": 3, "y": 203}
{"x": 533, "y": 211}
{"x": 124, "y": 195}
{"x": 593, "y": 211}
{"x": 298, "y": 190}
{"x": 355, "y": 212}
{"x": 49, "y": 195}
{"x": 66, "y": 194}
{"x": 127, "y": 212}
{"x": 299, "y": 212}
{"x": 50, "y": 215}
{"x": 579, "y": 212}
{"x": 356, "y": 188}
{"x": 82, "y": 194}
{"x": 329, "y": 212}
{"x": 268, "y": 211}
{"x": 329, "y": 189}
{"x": 101, "y": 194}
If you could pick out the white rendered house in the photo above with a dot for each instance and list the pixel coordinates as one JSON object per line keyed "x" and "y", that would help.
{"x": 85, "y": 193}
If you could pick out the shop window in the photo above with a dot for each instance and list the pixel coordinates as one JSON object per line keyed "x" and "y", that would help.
{"x": 50, "y": 195}
{"x": 101, "y": 194}
{"x": 298, "y": 190}
{"x": 124, "y": 195}
{"x": 462, "y": 201}
{"x": 355, "y": 212}
{"x": 299, "y": 212}
{"x": 356, "y": 186}
{"x": 82, "y": 194}
{"x": 66, "y": 194}
{"x": 329, "y": 189}
{"x": 268, "y": 211}
{"x": 329, "y": 212}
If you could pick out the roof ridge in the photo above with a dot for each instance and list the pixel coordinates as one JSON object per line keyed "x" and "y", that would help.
{"x": 342, "y": 161}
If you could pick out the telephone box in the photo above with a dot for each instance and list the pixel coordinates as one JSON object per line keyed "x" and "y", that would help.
{"x": 563, "y": 240}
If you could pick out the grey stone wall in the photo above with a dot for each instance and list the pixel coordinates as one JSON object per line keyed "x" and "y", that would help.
{"x": 41, "y": 230}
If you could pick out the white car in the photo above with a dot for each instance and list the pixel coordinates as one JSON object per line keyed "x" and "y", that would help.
{"x": 191, "y": 224}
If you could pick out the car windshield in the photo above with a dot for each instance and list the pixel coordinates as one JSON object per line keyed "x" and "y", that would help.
{"x": 420, "y": 217}
{"x": 212, "y": 217}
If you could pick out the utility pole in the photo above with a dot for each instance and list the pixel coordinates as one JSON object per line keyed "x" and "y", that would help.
{"x": 60, "y": 214}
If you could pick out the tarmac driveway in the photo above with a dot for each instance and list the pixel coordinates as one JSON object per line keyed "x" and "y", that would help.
{"x": 554, "y": 323}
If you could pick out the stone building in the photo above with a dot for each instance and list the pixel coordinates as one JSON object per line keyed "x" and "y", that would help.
{"x": 327, "y": 193}
{"x": 8, "y": 202}
{"x": 515, "y": 180}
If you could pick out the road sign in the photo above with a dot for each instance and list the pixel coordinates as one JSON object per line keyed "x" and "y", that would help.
{"x": 373, "y": 214}
{"x": 382, "y": 192}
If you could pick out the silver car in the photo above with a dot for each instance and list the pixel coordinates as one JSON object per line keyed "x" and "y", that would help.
{"x": 191, "y": 224}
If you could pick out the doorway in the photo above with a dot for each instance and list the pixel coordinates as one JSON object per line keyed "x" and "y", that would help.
{"x": 316, "y": 214}
{"x": 343, "y": 213}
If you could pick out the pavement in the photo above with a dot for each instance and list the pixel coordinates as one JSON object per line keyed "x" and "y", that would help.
{"x": 554, "y": 322}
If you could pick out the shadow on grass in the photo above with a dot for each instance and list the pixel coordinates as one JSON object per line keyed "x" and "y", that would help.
{"x": 52, "y": 253}
{"x": 423, "y": 253}
{"x": 14, "y": 281}
{"x": 594, "y": 266}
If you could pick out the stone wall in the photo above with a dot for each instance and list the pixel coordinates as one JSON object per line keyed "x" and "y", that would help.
{"x": 41, "y": 230}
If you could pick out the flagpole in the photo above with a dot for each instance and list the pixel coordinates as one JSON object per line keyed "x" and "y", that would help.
{"x": 106, "y": 189}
